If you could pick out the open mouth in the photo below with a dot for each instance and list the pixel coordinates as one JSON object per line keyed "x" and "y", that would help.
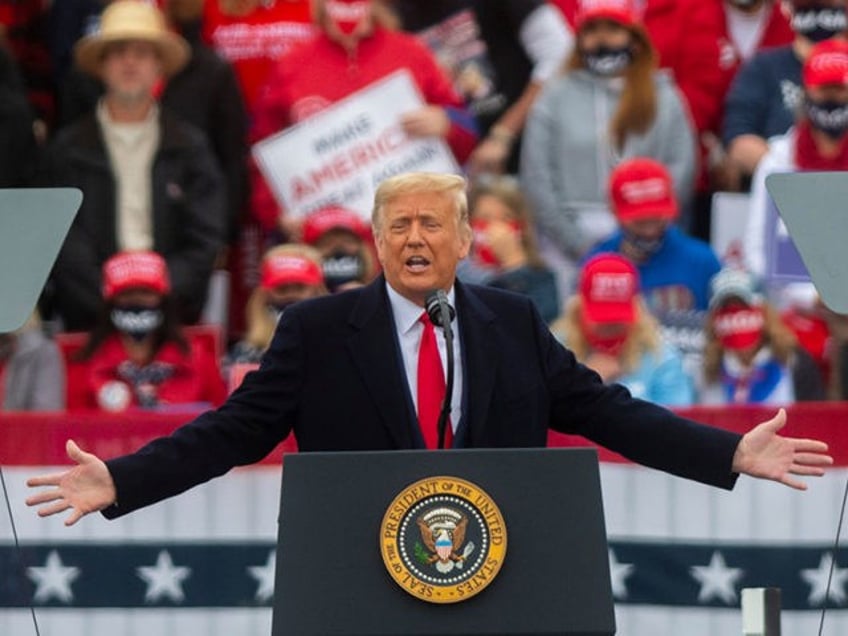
{"x": 417, "y": 264}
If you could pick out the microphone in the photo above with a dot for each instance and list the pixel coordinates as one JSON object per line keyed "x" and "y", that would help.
{"x": 441, "y": 314}
{"x": 435, "y": 303}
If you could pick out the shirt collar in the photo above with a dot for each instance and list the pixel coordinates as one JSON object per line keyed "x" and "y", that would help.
{"x": 406, "y": 312}
{"x": 105, "y": 119}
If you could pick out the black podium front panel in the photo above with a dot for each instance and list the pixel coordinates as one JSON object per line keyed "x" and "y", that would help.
{"x": 331, "y": 578}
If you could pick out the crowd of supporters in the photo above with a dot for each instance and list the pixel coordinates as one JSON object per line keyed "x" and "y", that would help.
{"x": 593, "y": 133}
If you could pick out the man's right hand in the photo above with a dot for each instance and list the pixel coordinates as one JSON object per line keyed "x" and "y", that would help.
{"x": 85, "y": 488}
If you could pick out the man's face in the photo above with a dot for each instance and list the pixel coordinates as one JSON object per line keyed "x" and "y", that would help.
{"x": 837, "y": 93}
{"x": 338, "y": 241}
{"x": 130, "y": 70}
{"x": 419, "y": 243}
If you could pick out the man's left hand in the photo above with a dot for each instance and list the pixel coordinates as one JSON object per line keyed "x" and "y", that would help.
{"x": 765, "y": 454}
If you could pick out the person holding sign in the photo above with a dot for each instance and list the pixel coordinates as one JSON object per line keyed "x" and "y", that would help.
{"x": 355, "y": 48}
{"x": 344, "y": 372}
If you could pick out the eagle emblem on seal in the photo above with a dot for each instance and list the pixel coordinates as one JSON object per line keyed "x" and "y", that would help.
{"x": 443, "y": 534}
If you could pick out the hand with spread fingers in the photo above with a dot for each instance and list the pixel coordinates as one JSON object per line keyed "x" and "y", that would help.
{"x": 764, "y": 454}
{"x": 85, "y": 488}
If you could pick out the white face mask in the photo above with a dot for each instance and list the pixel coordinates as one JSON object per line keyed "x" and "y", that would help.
{"x": 137, "y": 322}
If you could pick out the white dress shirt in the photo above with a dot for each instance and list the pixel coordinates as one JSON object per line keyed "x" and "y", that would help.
{"x": 409, "y": 330}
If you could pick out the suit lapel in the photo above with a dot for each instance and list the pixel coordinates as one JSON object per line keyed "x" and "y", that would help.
{"x": 481, "y": 361}
{"x": 374, "y": 350}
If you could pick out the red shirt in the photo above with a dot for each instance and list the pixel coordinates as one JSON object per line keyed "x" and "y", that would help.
{"x": 253, "y": 42}
{"x": 320, "y": 72}
{"x": 192, "y": 377}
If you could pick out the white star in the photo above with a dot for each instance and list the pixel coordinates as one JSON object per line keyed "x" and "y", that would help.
{"x": 717, "y": 580}
{"x": 164, "y": 579}
{"x": 618, "y": 574}
{"x": 265, "y": 575}
{"x": 54, "y": 579}
{"x": 817, "y": 579}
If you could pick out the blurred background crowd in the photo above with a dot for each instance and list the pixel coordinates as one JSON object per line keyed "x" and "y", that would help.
{"x": 602, "y": 141}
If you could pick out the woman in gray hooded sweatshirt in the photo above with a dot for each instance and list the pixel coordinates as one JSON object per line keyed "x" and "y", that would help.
{"x": 610, "y": 104}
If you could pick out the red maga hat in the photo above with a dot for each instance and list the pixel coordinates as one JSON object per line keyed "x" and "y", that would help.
{"x": 641, "y": 188}
{"x": 826, "y": 64}
{"x": 608, "y": 287}
{"x": 334, "y": 218}
{"x": 621, "y": 11}
{"x": 133, "y": 270}
{"x": 289, "y": 269}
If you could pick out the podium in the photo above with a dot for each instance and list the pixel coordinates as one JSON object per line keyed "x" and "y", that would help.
{"x": 363, "y": 544}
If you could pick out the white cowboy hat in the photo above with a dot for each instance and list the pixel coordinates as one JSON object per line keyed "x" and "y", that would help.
{"x": 132, "y": 20}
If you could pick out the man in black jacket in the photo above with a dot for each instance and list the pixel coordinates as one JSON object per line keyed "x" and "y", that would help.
{"x": 344, "y": 372}
{"x": 149, "y": 180}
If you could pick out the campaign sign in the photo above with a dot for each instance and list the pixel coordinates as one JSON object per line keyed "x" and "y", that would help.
{"x": 340, "y": 155}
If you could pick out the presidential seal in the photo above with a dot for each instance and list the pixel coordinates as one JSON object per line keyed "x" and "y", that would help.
{"x": 443, "y": 539}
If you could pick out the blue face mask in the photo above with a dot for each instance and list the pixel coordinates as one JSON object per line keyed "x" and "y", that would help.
{"x": 819, "y": 22}
{"x": 830, "y": 117}
{"x": 137, "y": 322}
{"x": 608, "y": 61}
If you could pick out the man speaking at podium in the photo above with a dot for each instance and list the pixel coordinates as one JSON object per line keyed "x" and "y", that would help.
{"x": 363, "y": 370}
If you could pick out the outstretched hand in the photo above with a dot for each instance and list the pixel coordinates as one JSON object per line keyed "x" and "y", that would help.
{"x": 85, "y": 488}
{"x": 765, "y": 454}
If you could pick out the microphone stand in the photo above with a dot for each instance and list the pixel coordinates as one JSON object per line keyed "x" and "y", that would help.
{"x": 444, "y": 312}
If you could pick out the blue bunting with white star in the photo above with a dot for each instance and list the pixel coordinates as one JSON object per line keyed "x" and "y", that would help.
{"x": 217, "y": 575}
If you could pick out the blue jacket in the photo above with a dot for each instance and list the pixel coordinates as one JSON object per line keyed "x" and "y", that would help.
{"x": 764, "y": 95}
{"x": 677, "y": 277}
{"x": 661, "y": 378}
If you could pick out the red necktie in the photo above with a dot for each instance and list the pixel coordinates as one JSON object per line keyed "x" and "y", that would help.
{"x": 431, "y": 387}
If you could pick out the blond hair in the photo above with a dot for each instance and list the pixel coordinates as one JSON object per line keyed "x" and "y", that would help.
{"x": 450, "y": 185}
{"x": 260, "y": 323}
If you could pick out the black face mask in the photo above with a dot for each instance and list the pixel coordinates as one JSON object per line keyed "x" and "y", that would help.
{"x": 642, "y": 248}
{"x": 607, "y": 61}
{"x": 137, "y": 322}
{"x": 818, "y": 22}
{"x": 340, "y": 268}
{"x": 829, "y": 117}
